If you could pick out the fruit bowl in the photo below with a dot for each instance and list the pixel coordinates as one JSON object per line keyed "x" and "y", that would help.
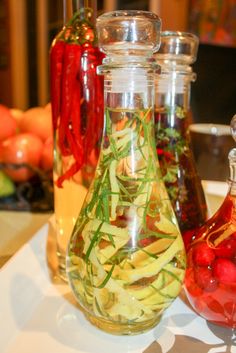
{"x": 26, "y": 159}
{"x": 34, "y": 194}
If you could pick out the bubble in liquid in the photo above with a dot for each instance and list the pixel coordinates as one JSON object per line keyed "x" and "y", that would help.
{"x": 233, "y": 127}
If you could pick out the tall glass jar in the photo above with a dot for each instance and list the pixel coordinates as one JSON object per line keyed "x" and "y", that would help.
{"x": 126, "y": 259}
{"x": 77, "y": 112}
{"x": 172, "y": 118}
{"x": 211, "y": 273}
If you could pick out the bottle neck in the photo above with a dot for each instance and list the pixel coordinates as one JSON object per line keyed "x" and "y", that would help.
{"x": 128, "y": 86}
{"x": 173, "y": 89}
{"x": 129, "y": 103}
{"x": 129, "y": 116}
{"x": 82, "y": 8}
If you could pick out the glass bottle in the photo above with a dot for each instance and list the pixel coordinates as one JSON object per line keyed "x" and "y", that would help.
{"x": 126, "y": 258}
{"x": 77, "y": 112}
{"x": 172, "y": 118}
{"x": 211, "y": 270}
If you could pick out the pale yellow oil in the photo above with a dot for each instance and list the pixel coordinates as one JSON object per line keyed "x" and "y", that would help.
{"x": 68, "y": 201}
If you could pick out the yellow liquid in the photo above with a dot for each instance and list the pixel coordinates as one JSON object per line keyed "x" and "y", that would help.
{"x": 67, "y": 204}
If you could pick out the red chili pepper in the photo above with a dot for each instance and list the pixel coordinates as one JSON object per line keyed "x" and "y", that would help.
{"x": 56, "y": 64}
{"x": 73, "y": 137}
{"x": 78, "y": 103}
{"x": 94, "y": 107}
{"x": 72, "y": 57}
{"x": 73, "y": 133}
{"x": 76, "y": 112}
{"x": 69, "y": 134}
{"x": 71, "y": 171}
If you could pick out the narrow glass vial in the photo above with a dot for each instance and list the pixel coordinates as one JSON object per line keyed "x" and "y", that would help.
{"x": 126, "y": 258}
{"x": 172, "y": 118}
{"x": 77, "y": 112}
{"x": 211, "y": 271}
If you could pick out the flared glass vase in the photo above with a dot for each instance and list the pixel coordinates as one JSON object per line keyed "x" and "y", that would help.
{"x": 126, "y": 258}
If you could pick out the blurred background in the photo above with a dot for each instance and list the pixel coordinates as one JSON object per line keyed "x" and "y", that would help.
{"x": 27, "y": 28}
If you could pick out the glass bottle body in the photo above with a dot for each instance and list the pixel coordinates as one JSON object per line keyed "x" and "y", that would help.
{"x": 210, "y": 281}
{"x": 172, "y": 119}
{"x": 77, "y": 112}
{"x": 211, "y": 271}
{"x": 126, "y": 259}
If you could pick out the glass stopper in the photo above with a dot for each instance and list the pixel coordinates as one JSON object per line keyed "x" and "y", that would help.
{"x": 178, "y": 46}
{"x": 129, "y": 33}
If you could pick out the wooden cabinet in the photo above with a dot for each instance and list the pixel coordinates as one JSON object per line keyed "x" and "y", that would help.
{"x": 5, "y": 66}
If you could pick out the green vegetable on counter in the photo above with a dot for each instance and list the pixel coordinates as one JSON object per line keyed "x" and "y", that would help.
{"x": 7, "y": 186}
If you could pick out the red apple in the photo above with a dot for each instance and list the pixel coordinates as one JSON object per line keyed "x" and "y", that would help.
{"x": 8, "y": 124}
{"x": 37, "y": 121}
{"x": 18, "y": 149}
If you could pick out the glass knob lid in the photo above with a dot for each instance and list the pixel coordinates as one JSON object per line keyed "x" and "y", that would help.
{"x": 178, "y": 46}
{"x": 129, "y": 32}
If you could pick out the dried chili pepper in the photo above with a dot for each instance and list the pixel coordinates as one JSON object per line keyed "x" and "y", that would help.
{"x": 94, "y": 107}
{"x": 73, "y": 136}
{"x": 77, "y": 95}
{"x": 72, "y": 56}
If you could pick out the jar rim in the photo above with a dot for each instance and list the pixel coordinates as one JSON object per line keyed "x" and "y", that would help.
{"x": 129, "y": 13}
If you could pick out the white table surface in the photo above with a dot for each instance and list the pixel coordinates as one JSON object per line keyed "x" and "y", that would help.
{"x": 39, "y": 313}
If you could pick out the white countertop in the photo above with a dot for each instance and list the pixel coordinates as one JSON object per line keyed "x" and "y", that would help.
{"x": 39, "y": 313}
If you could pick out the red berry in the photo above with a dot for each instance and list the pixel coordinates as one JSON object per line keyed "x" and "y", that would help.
{"x": 203, "y": 255}
{"x": 227, "y": 248}
{"x": 205, "y": 279}
{"x": 224, "y": 270}
{"x": 190, "y": 283}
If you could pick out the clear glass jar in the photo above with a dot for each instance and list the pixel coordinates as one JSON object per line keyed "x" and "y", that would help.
{"x": 172, "y": 118}
{"x": 77, "y": 112}
{"x": 126, "y": 258}
{"x": 211, "y": 271}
